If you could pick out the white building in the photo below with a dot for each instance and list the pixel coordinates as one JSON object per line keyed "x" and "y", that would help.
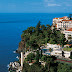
{"x": 59, "y": 53}
{"x": 53, "y": 46}
{"x": 65, "y": 25}
{"x": 66, "y": 54}
{"x": 68, "y": 34}
{"x": 62, "y": 23}
{"x": 57, "y": 50}
{"x": 56, "y": 20}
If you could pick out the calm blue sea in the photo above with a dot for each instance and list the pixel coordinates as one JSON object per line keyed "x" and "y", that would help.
{"x": 11, "y": 27}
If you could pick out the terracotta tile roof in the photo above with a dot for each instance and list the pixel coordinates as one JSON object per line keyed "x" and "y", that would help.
{"x": 64, "y": 17}
{"x": 57, "y": 18}
{"x": 61, "y": 17}
{"x": 66, "y": 20}
{"x": 70, "y": 29}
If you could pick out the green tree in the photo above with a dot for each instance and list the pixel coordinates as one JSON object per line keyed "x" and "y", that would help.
{"x": 34, "y": 37}
{"x": 38, "y": 28}
{"x": 52, "y": 69}
{"x": 25, "y": 67}
{"x": 40, "y": 54}
{"x": 48, "y": 63}
{"x": 37, "y": 56}
{"x": 44, "y": 58}
{"x": 34, "y": 68}
{"x": 30, "y": 57}
{"x": 63, "y": 68}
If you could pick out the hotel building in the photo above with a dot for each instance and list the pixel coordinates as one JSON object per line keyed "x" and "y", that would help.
{"x": 68, "y": 34}
{"x": 62, "y": 23}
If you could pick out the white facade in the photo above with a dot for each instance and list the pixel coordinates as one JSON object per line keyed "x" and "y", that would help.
{"x": 64, "y": 24}
{"x": 59, "y": 53}
{"x": 57, "y": 50}
{"x": 56, "y": 20}
{"x": 66, "y": 54}
{"x": 68, "y": 34}
{"x": 53, "y": 46}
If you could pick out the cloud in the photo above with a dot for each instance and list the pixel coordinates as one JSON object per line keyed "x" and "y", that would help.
{"x": 49, "y": 4}
{"x": 49, "y": 0}
{"x": 62, "y": 3}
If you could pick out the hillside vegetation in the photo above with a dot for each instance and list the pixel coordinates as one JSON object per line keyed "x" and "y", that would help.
{"x": 34, "y": 37}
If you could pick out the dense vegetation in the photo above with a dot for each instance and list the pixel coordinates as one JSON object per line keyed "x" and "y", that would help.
{"x": 51, "y": 65}
{"x": 30, "y": 57}
{"x": 34, "y": 56}
{"x": 34, "y": 37}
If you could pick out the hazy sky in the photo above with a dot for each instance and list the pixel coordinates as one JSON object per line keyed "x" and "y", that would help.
{"x": 35, "y": 6}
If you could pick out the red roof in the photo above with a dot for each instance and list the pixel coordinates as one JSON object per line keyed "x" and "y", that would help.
{"x": 61, "y": 17}
{"x": 70, "y": 29}
{"x": 58, "y": 18}
{"x": 66, "y": 20}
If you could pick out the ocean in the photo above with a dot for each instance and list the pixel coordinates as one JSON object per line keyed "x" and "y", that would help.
{"x": 11, "y": 27}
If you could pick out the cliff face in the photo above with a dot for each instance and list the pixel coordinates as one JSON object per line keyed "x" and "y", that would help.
{"x": 21, "y": 46}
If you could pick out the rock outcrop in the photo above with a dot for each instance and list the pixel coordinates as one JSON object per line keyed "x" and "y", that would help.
{"x": 21, "y": 46}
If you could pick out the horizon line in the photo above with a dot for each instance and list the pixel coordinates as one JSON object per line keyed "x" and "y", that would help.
{"x": 34, "y": 12}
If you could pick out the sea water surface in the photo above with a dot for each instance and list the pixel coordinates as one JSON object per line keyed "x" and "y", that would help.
{"x": 11, "y": 27}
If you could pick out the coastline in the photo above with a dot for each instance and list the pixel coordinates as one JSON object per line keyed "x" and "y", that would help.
{"x": 19, "y": 52}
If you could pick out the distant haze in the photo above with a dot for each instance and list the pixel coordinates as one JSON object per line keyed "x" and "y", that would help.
{"x": 35, "y": 6}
